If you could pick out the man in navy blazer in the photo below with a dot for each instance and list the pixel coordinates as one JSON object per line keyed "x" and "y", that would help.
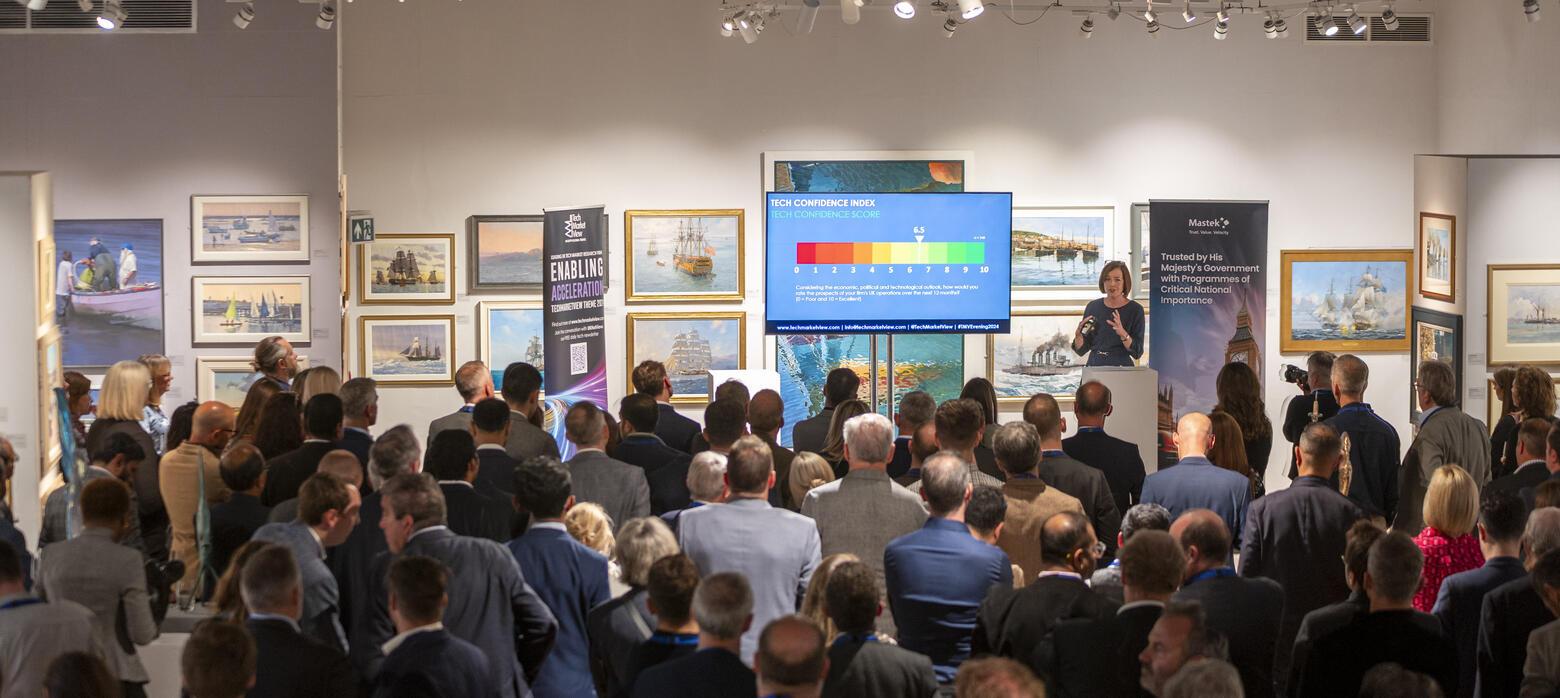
{"x": 665, "y": 467}
{"x": 423, "y": 658}
{"x": 490, "y": 431}
{"x": 1195, "y": 482}
{"x": 1501, "y": 518}
{"x": 1512, "y": 611}
{"x": 1120, "y": 460}
{"x": 360, "y": 411}
{"x": 452, "y": 458}
{"x": 675, "y": 430}
{"x": 1534, "y": 458}
{"x": 289, "y": 663}
{"x": 1374, "y": 447}
{"x": 1246, "y": 611}
{"x": 570, "y": 578}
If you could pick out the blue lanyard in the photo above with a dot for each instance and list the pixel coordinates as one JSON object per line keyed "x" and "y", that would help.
{"x": 674, "y": 639}
{"x": 1214, "y": 573}
{"x": 18, "y": 603}
{"x": 854, "y": 638}
{"x": 1057, "y": 453}
{"x": 467, "y": 408}
{"x": 1091, "y": 430}
{"x": 1023, "y": 476}
{"x": 1356, "y": 407}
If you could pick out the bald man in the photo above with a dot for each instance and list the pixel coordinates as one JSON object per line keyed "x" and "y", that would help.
{"x": 1194, "y": 482}
{"x": 180, "y": 476}
{"x": 341, "y": 463}
{"x": 792, "y": 659}
{"x": 1245, "y": 610}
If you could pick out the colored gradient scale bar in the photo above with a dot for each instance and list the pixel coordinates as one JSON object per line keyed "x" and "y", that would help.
{"x": 890, "y": 253}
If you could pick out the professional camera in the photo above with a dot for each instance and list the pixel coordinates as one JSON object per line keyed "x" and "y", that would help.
{"x": 1291, "y": 373}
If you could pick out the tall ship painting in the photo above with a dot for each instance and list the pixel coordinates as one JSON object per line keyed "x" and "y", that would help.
{"x": 690, "y": 354}
{"x": 403, "y": 270}
{"x": 693, "y": 255}
{"x": 1347, "y": 300}
{"x": 416, "y": 352}
{"x": 1362, "y": 309}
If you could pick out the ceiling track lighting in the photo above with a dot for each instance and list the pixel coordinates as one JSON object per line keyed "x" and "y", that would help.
{"x": 112, "y": 17}
{"x": 1326, "y": 25}
{"x": 1531, "y": 9}
{"x": 1153, "y": 28}
{"x": 1187, "y": 14}
{"x": 970, "y": 9}
{"x": 850, "y": 10}
{"x": 747, "y": 27}
{"x": 1269, "y": 28}
{"x": 807, "y": 17}
{"x": 1086, "y": 30}
{"x": 1282, "y": 27}
{"x": 327, "y": 16}
{"x": 904, "y": 9}
{"x": 1357, "y": 23}
{"x": 246, "y": 14}
{"x": 949, "y": 27}
{"x": 1221, "y": 29}
{"x": 1389, "y": 19}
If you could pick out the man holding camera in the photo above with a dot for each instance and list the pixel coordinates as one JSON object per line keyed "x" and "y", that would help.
{"x": 1315, "y": 404}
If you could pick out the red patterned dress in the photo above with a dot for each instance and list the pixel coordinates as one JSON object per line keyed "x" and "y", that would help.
{"x": 1443, "y": 557}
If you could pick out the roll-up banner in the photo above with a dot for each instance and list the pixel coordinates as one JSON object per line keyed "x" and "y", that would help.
{"x": 574, "y": 312}
{"x": 1208, "y": 281}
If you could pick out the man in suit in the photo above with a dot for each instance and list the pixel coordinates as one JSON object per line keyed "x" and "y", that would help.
{"x": 523, "y": 390}
{"x": 115, "y": 459}
{"x": 732, "y": 391}
{"x": 1195, "y": 482}
{"x": 1030, "y": 500}
{"x": 322, "y": 429}
{"x": 860, "y": 665}
{"x": 1501, "y": 518}
{"x": 289, "y": 663}
{"x": 775, "y": 549}
{"x": 188, "y": 472}
{"x": 618, "y": 487}
{"x": 1373, "y": 443}
{"x": 1099, "y": 656}
{"x": 1534, "y": 457}
{"x": 863, "y": 511}
{"x": 569, "y": 577}
{"x": 1246, "y": 610}
{"x": 1541, "y": 673}
{"x": 1512, "y": 611}
{"x": 490, "y": 604}
{"x": 1446, "y": 435}
{"x": 1389, "y": 633}
{"x": 923, "y": 444}
{"x": 474, "y": 382}
{"x": 218, "y": 660}
{"x": 706, "y": 484}
{"x": 723, "y": 605}
{"x": 959, "y": 426}
{"x": 671, "y": 587}
{"x": 1296, "y": 537}
{"x": 93, "y": 570}
{"x": 360, "y": 412}
{"x": 328, "y": 508}
{"x": 490, "y": 432}
{"x": 666, "y": 468}
{"x": 649, "y": 378}
{"x": 1120, "y": 460}
{"x": 32, "y": 632}
{"x": 340, "y": 463}
{"x": 452, "y": 460}
{"x": 937, "y": 577}
{"x": 396, "y": 451}
{"x": 915, "y": 409}
{"x": 1180, "y": 638}
{"x": 424, "y": 658}
{"x": 1141, "y": 517}
{"x": 235, "y": 521}
{"x": 791, "y": 659}
{"x": 1315, "y": 404}
{"x": 839, "y": 385}
{"x": 766, "y": 414}
{"x": 1088, "y": 485}
{"x": 1015, "y": 623}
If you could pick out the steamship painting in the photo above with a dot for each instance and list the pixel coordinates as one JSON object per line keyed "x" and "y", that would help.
{"x": 1532, "y": 313}
{"x": 1037, "y": 357}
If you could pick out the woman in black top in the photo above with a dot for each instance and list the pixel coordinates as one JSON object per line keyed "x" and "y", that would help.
{"x": 1111, "y": 331}
{"x": 1503, "y": 431}
{"x": 1240, "y": 396}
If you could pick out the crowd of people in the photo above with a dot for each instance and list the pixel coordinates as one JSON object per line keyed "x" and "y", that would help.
{"x": 944, "y": 553}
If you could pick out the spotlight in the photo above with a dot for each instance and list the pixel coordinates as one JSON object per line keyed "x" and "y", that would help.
{"x": 949, "y": 27}
{"x": 1153, "y": 28}
{"x": 808, "y": 17}
{"x": 1356, "y": 22}
{"x": 1269, "y": 29}
{"x": 34, "y": 5}
{"x": 1150, "y": 15}
{"x": 1389, "y": 19}
{"x": 1282, "y": 27}
{"x": 246, "y": 14}
{"x": 904, "y": 9}
{"x": 327, "y": 17}
{"x": 1221, "y": 30}
{"x": 1187, "y": 14}
{"x": 1087, "y": 28}
{"x": 728, "y": 25}
{"x": 1326, "y": 25}
{"x": 1113, "y": 12}
{"x": 745, "y": 27}
{"x": 970, "y": 9}
{"x": 85, "y": 5}
{"x": 1222, "y": 15}
{"x": 850, "y": 11}
{"x": 1530, "y": 8}
{"x": 112, "y": 17}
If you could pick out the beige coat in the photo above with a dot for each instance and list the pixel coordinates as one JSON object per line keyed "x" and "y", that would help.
{"x": 1030, "y": 502}
{"x": 180, "y": 487}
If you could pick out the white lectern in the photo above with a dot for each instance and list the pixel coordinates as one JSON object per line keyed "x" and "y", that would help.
{"x": 1135, "y": 396}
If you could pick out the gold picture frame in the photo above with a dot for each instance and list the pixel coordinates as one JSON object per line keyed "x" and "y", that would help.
{"x": 1068, "y": 318}
{"x": 689, "y": 396}
{"x": 1339, "y": 330}
{"x": 444, "y": 347}
{"x": 663, "y": 286}
{"x": 437, "y": 294}
{"x": 207, "y": 370}
{"x": 486, "y": 332}
{"x": 46, "y": 283}
{"x": 1425, "y": 244}
{"x": 1541, "y": 341}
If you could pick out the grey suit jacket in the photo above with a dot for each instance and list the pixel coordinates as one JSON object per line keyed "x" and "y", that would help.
{"x": 456, "y": 420}
{"x": 321, "y": 597}
{"x": 621, "y": 489}
{"x": 775, "y": 549}
{"x": 32, "y": 634}
{"x": 860, "y": 514}
{"x": 1448, "y": 435}
{"x": 110, "y": 580}
{"x": 526, "y": 440}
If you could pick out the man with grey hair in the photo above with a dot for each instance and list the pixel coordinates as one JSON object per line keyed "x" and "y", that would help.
{"x": 706, "y": 482}
{"x": 861, "y": 512}
{"x": 621, "y": 489}
{"x": 936, "y": 577}
{"x": 1205, "y": 678}
{"x": 474, "y": 382}
{"x": 774, "y": 548}
{"x": 394, "y": 452}
{"x": 1513, "y": 611}
{"x": 1444, "y": 434}
{"x": 1180, "y": 637}
{"x": 723, "y": 605}
{"x": 289, "y": 662}
{"x": 359, "y": 413}
{"x": 1106, "y": 581}
{"x": 915, "y": 408}
{"x": 1315, "y": 404}
{"x": 1373, "y": 445}
{"x": 1030, "y": 500}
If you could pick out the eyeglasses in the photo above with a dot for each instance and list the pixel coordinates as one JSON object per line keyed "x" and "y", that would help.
{"x": 1097, "y": 550}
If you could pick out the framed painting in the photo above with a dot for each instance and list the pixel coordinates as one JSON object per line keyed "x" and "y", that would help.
{"x": 689, "y": 344}
{"x": 1061, "y": 248}
{"x": 804, "y": 361}
{"x": 46, "y": 286}
{"x": 1524, "y": 314}
{"x": 51, "y": 374}
{"x": 505, "y": 253}
{"x": 249, "y": 229}
{"x": 407, "y": 349}
{"x": 247, "y": 309}
{"x": 226, "y": 379}
{"x": 1037, "y": 357}
{"x": 510, "y": 331}
{"x": 407, "y": 269}
{"x": 1437, "y": 251}
{"x": 878, "y": 171}
{"x": 685, "y": 255}
{"x": 115, "y": 306}
{"x": 1140, "y": 241}
{"x": 1345, "y": 300}
{"x": 1437, "y": 337}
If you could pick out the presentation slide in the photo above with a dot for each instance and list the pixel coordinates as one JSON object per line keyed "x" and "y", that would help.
{"x": 887, "y": 263}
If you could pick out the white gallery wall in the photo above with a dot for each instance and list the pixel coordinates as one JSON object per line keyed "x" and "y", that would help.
{"x": 1497, "y": 80}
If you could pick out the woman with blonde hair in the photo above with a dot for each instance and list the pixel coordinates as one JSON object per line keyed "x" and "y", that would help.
{"x": 1451, "y": 508}
{"x": 814, "y": 604}
{"x": 153, "y": 419}
{"x": 617, "y": 627}
{"x": 834, "y": 442}
{"x": 1229, "y": 450}
{"x": 808, "y": 470}
{"x": 121, "y": 405}
{"x": 589, "y": 524}
{"x": 317, "y": 380}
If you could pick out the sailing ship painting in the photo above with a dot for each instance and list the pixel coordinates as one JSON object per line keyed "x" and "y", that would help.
{"x": 1348, "y": 300}
{"x": 1060, "y": 247}
{"x": 250, "y": 228}
{"x": 408, "y": 349}
{"x": 1532, "y": 313}
{"x": 676, "y": 254}
{"x": 407, "y": 268}
{"x": 1037, "y": 357}
{"x": 689, "y": 346}
{"x": 511, "y": 332}
{"x": 238, "y": 309}
{"x": 110, "y": 315}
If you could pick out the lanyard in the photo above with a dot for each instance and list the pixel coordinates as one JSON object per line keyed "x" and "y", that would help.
{"x": 674, "y": 639}
{"x": 1214, "y": 573}
{"x": 1056, "y": 453}
{"x": 1091, "y": 430}
{"x": 854, "y": 638}
{"x": 18, "y": 603}
{"x": 1023, "y": 476}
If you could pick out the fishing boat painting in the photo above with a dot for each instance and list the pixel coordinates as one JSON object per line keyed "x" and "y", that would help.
{"x": 396, "y": 269}
{"x": 1060, "y": 247}
{"x": 1037, "y": 357}
{"x": 689, "y": 345}
{"x": 244, "y": 309}
{"x": 510, "y": 332}
{"x": 1346, "y": 299}
{"x": 414, "y": 349}
{"x": 249, "y": 228}
{"x": 115, "y": 306}
{"x": 684, "y": 255}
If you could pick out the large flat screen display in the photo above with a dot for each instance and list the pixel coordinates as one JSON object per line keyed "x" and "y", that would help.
{"x": 887, "y": 263}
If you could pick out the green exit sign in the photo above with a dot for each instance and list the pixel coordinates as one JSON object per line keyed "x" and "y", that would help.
{"x": 361, "y": 229}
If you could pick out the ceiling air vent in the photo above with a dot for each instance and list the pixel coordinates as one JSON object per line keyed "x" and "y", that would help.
{"x": 65, "y": 17}
{"x": 1411, "y": 30}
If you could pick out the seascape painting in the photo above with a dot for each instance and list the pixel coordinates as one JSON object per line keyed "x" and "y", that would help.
{"x": 1532, "y": 313}
{"x": 1345, "y": 300}
{"x": 684, "y": 255}
{"x": 881, "y": 176}
{"x": 689, "y": 344}
{"x": 934, "y": 363}
{"x": 249, "y": 228}
{"x": 407, "y": 269}
{"x": 1037, "y": 357}
{"x": 1054, "y": 247}
{"x": 506, "y": 252}
{"x": 511, "y": 332}
{"x": 1523, "y": 314}
{"x": 1438, "y": 256}
{"x": 246, "y": 309}
{"x": 407, "y": 349}
{"x": 115, "y": 306}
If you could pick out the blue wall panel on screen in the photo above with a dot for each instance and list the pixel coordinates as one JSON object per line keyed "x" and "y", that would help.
{"x": 887, "y": 263}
